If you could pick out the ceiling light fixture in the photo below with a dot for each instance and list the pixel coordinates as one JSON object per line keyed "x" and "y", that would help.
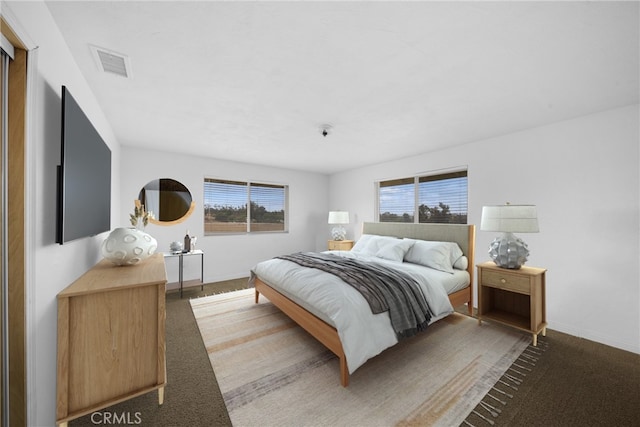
{"x": 325, "y": 129}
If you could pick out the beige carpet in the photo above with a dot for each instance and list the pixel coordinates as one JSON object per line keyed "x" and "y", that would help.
{"x": 272, "y": 373}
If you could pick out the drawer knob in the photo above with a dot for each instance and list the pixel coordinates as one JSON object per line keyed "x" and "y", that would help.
{"x": 503, "y": 281}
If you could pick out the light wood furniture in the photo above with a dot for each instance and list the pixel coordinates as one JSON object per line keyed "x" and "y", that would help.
{"x": 464, "y": 235}
{"x": 513, "y": 297}
{"x": 340, "y": 245}
{"x": 111, "y": 337}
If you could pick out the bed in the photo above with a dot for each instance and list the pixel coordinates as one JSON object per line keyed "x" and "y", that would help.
{"x": 339, "y": 316}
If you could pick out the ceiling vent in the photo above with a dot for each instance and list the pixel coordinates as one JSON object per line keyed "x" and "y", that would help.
{"x": 111, "y": 62}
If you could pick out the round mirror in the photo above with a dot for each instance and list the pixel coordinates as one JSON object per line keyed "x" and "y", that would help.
{"x": 169, "y": 200}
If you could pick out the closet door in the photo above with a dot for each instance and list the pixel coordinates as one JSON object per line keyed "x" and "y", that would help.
{"x": 4, "y": 389}
{"x": 14, "y": 376}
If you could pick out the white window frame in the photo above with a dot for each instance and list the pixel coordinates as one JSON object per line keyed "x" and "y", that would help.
{"x": 415, "y": 181}
{"x": 248, "y": 224}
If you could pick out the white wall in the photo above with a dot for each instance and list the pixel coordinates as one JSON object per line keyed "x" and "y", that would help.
{"x": 231, "y": 256}
{"x": 50, "y": 267}
{"x": 583, "y": 176}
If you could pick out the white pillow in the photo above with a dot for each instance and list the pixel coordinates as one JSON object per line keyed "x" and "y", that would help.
{"x": 394, "y": 251}
{"x": 361, "y": 243}
{"x": 461, "y": 263}
{"x": 370, "y": 244}
{"x": 437, "y": 255}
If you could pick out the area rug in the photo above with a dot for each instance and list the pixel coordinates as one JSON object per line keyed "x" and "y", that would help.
{"x": 272, "y": 373}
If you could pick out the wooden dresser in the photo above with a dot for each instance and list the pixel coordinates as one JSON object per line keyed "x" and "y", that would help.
{"x": 111, "y": 337}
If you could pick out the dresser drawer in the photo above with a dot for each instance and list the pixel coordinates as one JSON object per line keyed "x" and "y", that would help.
{"x": 510, "y": 282}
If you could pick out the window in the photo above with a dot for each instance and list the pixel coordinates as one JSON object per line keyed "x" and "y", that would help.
{"x": 440, "y": 198}
{"x": 244, "y": 207}
{"x": 397, "y": 200}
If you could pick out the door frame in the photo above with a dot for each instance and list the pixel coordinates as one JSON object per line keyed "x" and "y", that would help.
{"x": 20, "y": 217}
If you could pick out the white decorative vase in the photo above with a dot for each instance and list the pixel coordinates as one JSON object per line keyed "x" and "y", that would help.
{"x": 128, "y": 246}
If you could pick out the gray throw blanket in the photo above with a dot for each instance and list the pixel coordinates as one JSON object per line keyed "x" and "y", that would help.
{"x": 384, "y": 288}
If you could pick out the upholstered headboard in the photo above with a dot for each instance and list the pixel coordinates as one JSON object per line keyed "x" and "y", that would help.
{"x": 464, "y": 235}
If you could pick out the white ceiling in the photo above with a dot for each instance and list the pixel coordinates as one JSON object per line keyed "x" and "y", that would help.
{"x": 254, "y": 81}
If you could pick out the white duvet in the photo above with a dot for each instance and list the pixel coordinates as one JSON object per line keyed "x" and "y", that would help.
{"x": 363, "y": 334}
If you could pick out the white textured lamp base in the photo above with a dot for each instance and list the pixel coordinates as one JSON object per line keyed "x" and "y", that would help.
{"x": 508, "y": 251}
{"x": 338, "y": 233}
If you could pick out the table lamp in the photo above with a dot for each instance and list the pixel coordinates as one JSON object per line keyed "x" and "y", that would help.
{"x": 509, "y": 251}
{"x": 338, "y": 218}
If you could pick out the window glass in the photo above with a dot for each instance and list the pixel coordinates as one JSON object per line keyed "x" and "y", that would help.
{"x": 397, "y": 200}
{"x": 267, "y": 207}
{"x": 443, "y": 198}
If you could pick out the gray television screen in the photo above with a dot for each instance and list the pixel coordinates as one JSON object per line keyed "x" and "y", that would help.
{"x": 84, "y": 176}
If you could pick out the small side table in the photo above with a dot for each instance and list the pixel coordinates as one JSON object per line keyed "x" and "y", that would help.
{"x": 513, "y": 297}
{"x": 181, "y": 256}
{"x": 340, "y": 245}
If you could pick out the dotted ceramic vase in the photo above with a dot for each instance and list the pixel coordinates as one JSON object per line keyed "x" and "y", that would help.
{"x": 128, "y": 246}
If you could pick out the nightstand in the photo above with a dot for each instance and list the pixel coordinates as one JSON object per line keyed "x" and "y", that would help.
{"x": 513, "y": 297}
{"x": 340, "y": 245}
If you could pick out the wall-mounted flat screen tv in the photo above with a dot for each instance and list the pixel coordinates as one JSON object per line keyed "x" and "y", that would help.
{"x": 84, "y": 176}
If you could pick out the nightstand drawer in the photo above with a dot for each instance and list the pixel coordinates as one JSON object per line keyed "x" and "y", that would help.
{"x": 340, "y": 245}
{"x": 510, "y": 282}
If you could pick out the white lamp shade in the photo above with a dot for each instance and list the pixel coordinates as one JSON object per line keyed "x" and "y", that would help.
{"x": 338, "y": 217}
{"x": 510, "y": 218}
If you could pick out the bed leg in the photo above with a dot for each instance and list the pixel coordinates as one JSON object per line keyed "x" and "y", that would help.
{"x": 344, "y": 372}
{"x": 470, "y": 308}
{"x": 257, "y": 296}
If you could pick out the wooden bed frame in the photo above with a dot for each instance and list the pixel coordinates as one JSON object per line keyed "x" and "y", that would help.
{"x": 464, "y": 235}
